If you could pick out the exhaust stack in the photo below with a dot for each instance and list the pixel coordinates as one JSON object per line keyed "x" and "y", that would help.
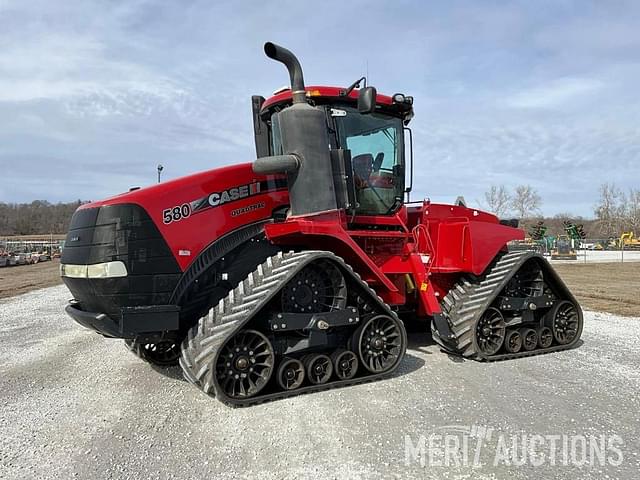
{"x": 305, "y": 142}
{"x": 281, "y": 54}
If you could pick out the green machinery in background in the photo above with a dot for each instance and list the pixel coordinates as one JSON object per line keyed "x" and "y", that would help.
{"x": 561, "y": 247}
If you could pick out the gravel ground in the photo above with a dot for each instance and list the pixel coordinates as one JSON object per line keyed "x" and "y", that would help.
{"x": 73, "y": 404}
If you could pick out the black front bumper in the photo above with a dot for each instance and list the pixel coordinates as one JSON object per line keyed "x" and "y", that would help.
{"x": 147, "y": 322}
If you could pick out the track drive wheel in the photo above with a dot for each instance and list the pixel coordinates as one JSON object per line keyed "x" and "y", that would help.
{"x": 245, "y": 364}
{"x": 163, "y": 354}
{"x": 318, "y": 287}
{"x": 379, "y": 343}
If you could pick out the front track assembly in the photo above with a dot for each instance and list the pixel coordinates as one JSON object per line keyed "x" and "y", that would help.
{"x": 518, "y": 307}
{"x": 301, "y": 322}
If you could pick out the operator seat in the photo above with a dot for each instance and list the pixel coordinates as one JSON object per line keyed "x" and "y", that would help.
{"x": 374, "y": 190}
{"x": 362, "y": 168}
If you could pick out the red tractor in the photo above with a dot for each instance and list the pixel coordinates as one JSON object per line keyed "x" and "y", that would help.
{"x": 295, "y": 273}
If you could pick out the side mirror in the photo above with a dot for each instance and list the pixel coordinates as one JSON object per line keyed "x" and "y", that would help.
{"x": 367, "y": 100}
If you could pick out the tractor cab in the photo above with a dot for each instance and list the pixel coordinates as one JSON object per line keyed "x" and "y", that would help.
{"x": 367, "y": 137}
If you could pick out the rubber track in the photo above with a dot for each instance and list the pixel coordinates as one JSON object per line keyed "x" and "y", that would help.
{"x": 469, "y": 298}
{"x": 203, "y": 342}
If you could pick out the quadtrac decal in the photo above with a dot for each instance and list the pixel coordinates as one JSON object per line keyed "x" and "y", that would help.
{"x": 222, "y": 197}
{"x": 247, "y": 209}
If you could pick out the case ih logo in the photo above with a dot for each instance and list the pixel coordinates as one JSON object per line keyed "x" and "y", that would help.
{"x": 215, "y": 199}
{"x": 236, "y": 193}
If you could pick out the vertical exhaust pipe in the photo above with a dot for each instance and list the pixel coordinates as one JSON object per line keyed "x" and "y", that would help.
{"x": 305, "y": 143}
{"x": 281, "y": 54}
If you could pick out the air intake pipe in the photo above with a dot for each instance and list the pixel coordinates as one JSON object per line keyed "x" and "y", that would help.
{"x": 281, "y": 54}
{"x": 276, "y": 164}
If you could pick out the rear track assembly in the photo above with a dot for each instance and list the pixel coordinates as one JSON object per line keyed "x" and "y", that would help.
{"x": 519, "y": 307}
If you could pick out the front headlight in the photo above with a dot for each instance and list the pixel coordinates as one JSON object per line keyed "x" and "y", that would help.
{"x": 98, "y": 270}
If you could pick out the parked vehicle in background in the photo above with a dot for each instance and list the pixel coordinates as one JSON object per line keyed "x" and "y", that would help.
{"x": 36, "y": 257}
{"x": 4, "y": 260}
{"x": 19, "y": 258}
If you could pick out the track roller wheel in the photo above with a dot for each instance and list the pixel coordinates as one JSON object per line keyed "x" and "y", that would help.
{"x": 490, "y": 331}
{"x": 164, "y": 353}
{"x": 564, "y": 321}
{"x": 345, "y": 364}
{"x": 290, "y": 373}
{"x": 245, "y": 364}
{"x": 545, "y": 337}
{"x": 379, "y": 343}
{"x": 512, "y": 341}
{"x": 529, "y": 339}
{"x": 319, "y": 368}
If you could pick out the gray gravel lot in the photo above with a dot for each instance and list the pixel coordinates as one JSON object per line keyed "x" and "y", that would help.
{"x": 73, "y": 404}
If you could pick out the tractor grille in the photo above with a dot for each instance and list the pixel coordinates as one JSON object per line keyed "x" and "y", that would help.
{"x": 123, "y": 233}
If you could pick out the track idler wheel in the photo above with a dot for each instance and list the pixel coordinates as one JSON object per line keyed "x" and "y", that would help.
{"x": 379, "y": 343}
{"x": 545, "y": 337}
{"x": 245, "y": 364}
{"x": 290, "y": 374}
{"x": 564, "y": 321}
{"x": 490, "y": 331}
{"x": 319, "y": 368}
{"x": 512, "y": 341}
{"x": 345, "y": 364}
{"x": 529, "y": 339}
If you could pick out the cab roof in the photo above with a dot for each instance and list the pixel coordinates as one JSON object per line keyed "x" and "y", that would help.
{"x": 329, "y": 94}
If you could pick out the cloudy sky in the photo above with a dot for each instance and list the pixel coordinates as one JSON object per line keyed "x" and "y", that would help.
{"x": 93, "y": 95}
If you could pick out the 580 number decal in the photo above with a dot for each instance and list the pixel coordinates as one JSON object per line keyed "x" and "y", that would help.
{"x": 177, "y": 213}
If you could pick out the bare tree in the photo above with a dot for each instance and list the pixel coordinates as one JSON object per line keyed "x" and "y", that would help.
{"x": 525, "y": 201}
{"x": 632, "y": 211}
{"x": 610, "y": 210}
{"x": 497, "y": 199}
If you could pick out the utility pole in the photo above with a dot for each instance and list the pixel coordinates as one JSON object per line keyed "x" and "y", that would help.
{"x": 160, "y": 168}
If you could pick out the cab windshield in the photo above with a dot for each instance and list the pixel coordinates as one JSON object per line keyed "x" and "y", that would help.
{"x": 376, "y": 143}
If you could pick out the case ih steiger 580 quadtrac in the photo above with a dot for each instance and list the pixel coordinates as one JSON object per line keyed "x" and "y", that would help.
{"x": 293, "y": 273}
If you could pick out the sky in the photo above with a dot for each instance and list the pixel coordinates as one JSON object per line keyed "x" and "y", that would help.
{"x": 95, "y": 94}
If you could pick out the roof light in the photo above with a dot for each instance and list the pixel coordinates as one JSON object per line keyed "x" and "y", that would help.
{"x": 402, "y": 98}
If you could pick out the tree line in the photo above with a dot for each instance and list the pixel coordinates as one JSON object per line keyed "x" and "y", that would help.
{"x": 615, "y": 211}
{"x": 36, "y": 218}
